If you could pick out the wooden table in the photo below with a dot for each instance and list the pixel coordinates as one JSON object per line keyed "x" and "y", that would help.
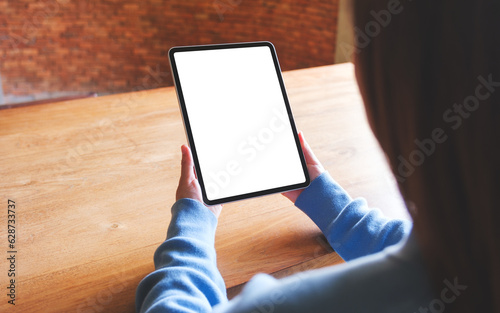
{"x": 93, "y": 181}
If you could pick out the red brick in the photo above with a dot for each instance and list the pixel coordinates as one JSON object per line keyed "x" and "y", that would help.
{"x": 108, "y": 46}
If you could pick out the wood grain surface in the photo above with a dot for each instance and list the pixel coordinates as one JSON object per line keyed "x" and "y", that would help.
{"x": 94, "y": 179}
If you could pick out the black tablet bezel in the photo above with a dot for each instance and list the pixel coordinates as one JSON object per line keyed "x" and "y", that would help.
{"x": 189, "y": 134}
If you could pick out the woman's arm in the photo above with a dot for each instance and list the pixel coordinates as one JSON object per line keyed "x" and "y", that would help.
{"x": 186, "y": 278}
{"x": 351, "y": 228}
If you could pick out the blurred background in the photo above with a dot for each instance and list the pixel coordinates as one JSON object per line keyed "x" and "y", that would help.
{"x": 55, "y": 49}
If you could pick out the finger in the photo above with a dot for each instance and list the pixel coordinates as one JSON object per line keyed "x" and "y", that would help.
{"x": 187, "y": 174}
{"x": 308, "y": 153}
{"x": 192, "y": 163}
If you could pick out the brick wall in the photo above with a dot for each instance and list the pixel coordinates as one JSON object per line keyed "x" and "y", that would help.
{"x": 108, "y": 46}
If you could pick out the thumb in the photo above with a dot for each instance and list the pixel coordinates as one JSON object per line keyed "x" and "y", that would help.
{"x": 187, "y": 172}
{"x": 308, "y": 153}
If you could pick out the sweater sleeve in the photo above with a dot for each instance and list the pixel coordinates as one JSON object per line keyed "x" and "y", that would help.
{"x": 352, "y": 229}
{"x": 186, "y": 278}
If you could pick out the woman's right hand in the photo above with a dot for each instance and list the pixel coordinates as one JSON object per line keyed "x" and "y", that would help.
{"x": 313, "y": 166}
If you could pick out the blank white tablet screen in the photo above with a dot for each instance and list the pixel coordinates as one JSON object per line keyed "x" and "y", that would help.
{"x": 239, "y": 122}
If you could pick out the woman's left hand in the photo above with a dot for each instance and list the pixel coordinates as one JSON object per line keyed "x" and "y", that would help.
{"x": 189, "y": 187}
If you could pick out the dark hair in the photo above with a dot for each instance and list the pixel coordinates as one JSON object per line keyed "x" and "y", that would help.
{"x": 429, "y": 74}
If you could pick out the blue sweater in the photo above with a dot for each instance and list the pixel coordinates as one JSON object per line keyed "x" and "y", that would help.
{"x": 186, "y": 278}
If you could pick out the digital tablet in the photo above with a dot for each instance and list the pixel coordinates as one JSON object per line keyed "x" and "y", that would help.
{"x": 238, "y": 120}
